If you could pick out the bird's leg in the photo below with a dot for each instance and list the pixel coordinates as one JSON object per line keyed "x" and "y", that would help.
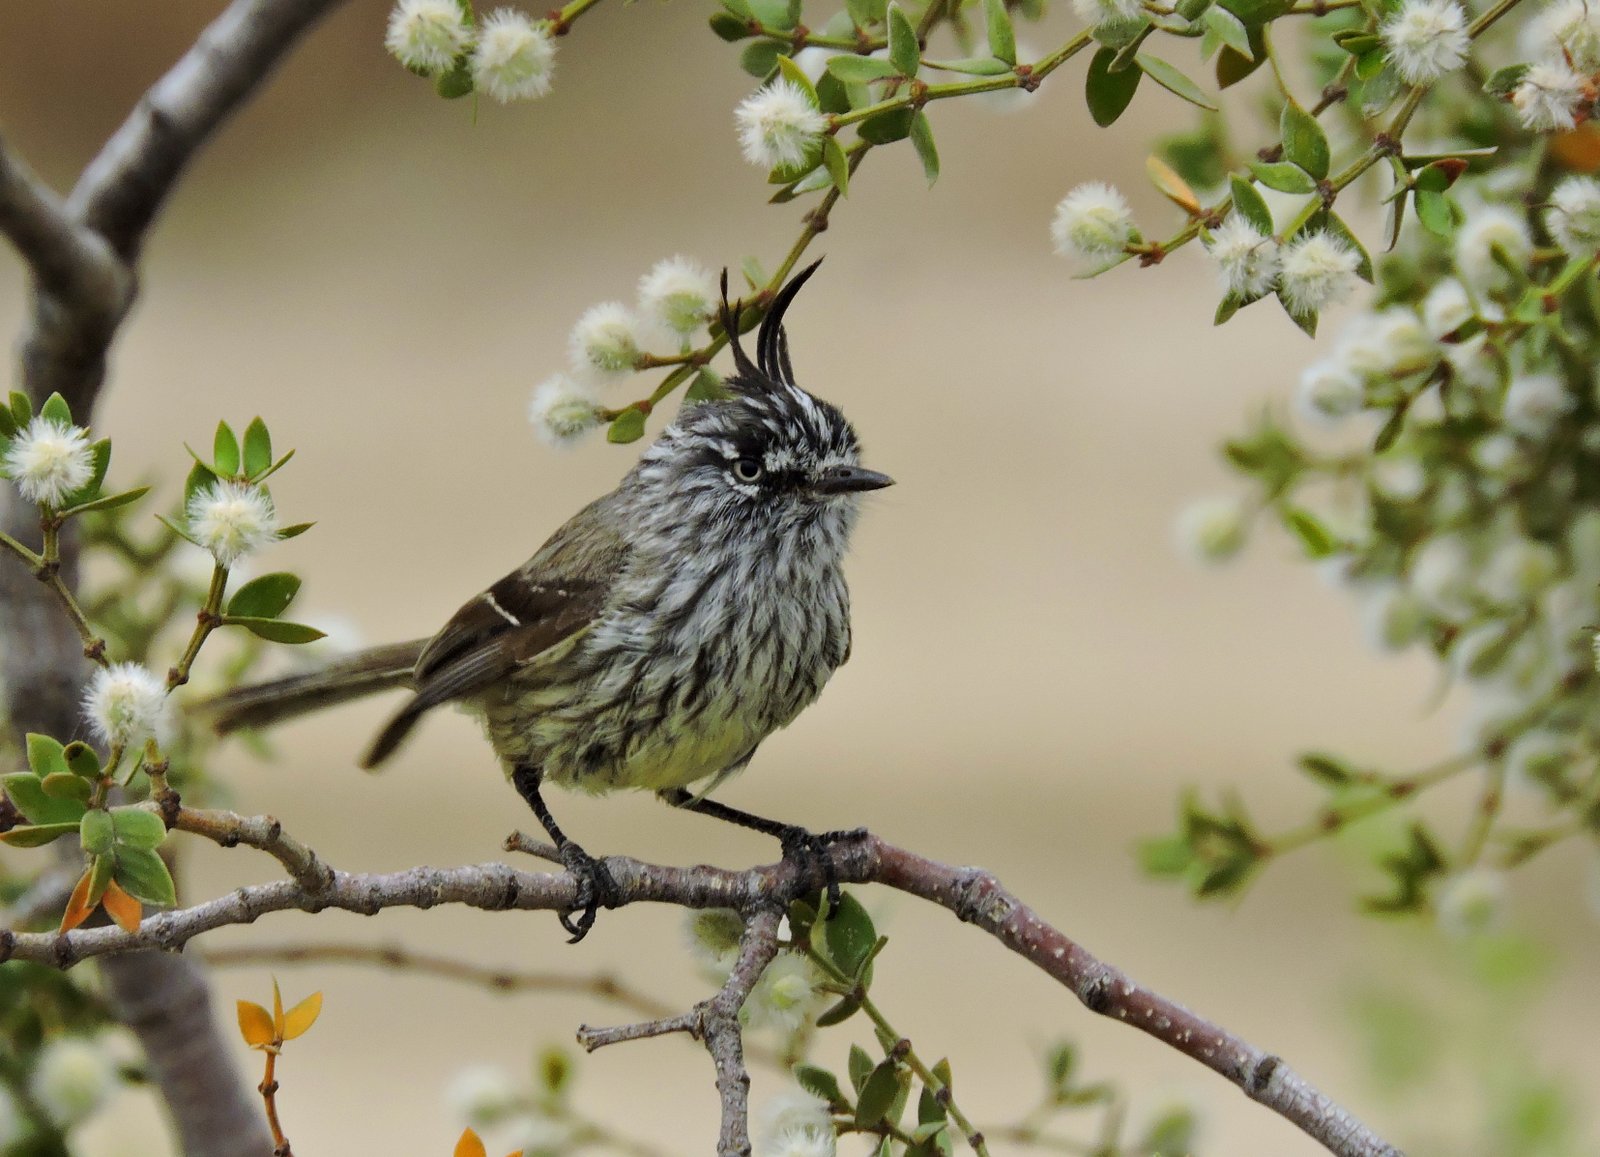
{"x": 596, "y": 888}
{"x": 812, "y": 850}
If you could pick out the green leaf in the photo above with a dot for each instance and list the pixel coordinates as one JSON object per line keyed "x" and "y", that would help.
{"x": 819, "y": 1082}
{"x": 877, "y": 1095}
{"x": 294, "y": 531}
{"x": 791, "y": 72}
{"x": 1435, "y": 213}
{"x": 1304, "y": 142}
{"x": 64, "y": 785}
{"x": 1002, "y": 38}
{"x": 138, "y": 828}
{"x": 972, "y": 65}
{"x": 225, "y": 451}
{"x": 1108, "y": 93}
{"x": 729, "y": 27}
{"x": 1173, "y": 81}
{"x": 859, "y": 1067}
{"x": 109, "y": 502}
{"x": 865, "y": 13}
{"x": 1503, "y": 82}
{"x": 274, "y": 630}
{"x": 1250, "y": 204}
{"x": 38, "y": 835}
{"x": 833, "y": 95}
{"x": 144, "y": 876}
{"x": 1391, "y": 430}
{"x": 1316, "y": 538}
{"x": 837, "y": 164}
{"x": 706, "y": 387}
{"x": 8, "y": 424}
{"x": 860, "y": 69}
{"x": 274, "y": 468}
{"x": 1233, "y": 66}
{"x": 46, "y": 755}
{"x": 1228, "y": 29}
{"x": 265, "y": 597}
{"x": 759, "y": 58}
{"x": 55, "y": 409}
{"x": 922, "y": 141}
{"x": 1165, "y": 856}
{"x": 200, "y": 476}
{"x": 904, "y": 52}
{"x": 21, "y": 408}
{"x": 627, "y": 426}
{"x": 96, "y": 832}
{"x": 257, "y": 448}
{"x": 839, "y": 1013}
{"x": 1283, "y": 176}
{"x": 846, "y": 937}
{"x": 886, "y": 127}
{"x": 1326, "y": 769}
{"x": 1226, "y": 308}
{"x": 82, "y": 760}
{"x": 100, "y": 455}
{"x": 1332, "y": 224}
{"x": 773, "y": 13}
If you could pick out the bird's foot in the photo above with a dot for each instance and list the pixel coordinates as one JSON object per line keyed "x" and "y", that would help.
{"x": 596, "y": 890}
{"x": 812, "y": 854}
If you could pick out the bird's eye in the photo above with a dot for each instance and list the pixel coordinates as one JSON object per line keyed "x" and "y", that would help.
{"x": 747, "y": 470}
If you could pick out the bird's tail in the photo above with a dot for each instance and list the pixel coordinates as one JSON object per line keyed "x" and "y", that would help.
{"x": 345, "y": 678}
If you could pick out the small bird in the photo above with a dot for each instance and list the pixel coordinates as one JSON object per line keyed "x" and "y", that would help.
{"x": 660, "y": 635}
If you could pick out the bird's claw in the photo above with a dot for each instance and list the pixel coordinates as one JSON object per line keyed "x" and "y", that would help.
{"x": 812, "y": 853}
{"x": 596, "y": 890}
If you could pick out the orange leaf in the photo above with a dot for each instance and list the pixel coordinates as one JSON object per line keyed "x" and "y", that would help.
{"x": 277, "y": 1008}
{"x": 302, "y": 1016}
{"x": 255, "y": 1024}
{"x": 122, "y": 908}
{"x": 78, "y": 905}
{"x": 469, "y": 1145}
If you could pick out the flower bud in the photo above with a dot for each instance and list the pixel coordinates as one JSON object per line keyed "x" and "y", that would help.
{"x": 1093, "y": 222}
{"x": 1471, "y": 902}
{"x": 606, "y": 339}
{"x": 561, "y": 410}
{"x": 1212, "y": 530}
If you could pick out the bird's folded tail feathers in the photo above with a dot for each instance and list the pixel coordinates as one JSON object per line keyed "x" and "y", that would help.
{"x": 345, "y": 678}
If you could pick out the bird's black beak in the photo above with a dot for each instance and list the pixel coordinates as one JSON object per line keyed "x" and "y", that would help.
{"x": 850, "y": 480}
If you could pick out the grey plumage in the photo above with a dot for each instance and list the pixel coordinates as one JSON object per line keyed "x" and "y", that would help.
{"x": 671, "y": 625}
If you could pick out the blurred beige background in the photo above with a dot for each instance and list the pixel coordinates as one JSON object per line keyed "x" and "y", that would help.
{"x": 385, "y": 276}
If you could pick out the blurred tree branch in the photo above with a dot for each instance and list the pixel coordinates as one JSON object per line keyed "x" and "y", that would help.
{"x": 81, "y": 252}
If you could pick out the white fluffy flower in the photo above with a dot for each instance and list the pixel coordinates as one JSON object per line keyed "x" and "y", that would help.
{"x": 1392, "y": 617}
{"x": 1426, "y": 39}
{"x": 1442, "y": 573}
{"x": 1548, "y": 97}
{"x": 427, "y": 35}
{"x": 1092, "y": 221}
{"x": 1098, "y": 12}
{"x": 1565, "y": 28}
{"x": 1399, "y": 479}
{"x": 778, "y": 125}
{"x": 1471, "y": 902}
{"x": 1246, "y": 257}
{"x": 1487, "y": 229}
{"x": 1318, "y": 270}
{"x": 483, "y": 1095}
{"x": 1330, "y": 389}
{"x": 514, "y": 58}
{"x": 48, "y": 460}
{"x": 71, "y": 1079}
{"x": 561, "y": 410}
{"x": 1212, "y": 529}
{"x": 1519, "y": 569}
{"x": 713, "y": 938}
{"x": 126, "y": 704}
{"x": 1573, "y": 217}
{"x": 1496, "y": 455}
{"x": 1446, "y": 308}
{"x": 787, "y": 994}
{"x": 678, "y": 293}
{"x": 232, "y": 519}
{"x": 607, "y": 338}
{"x": 1391, "y": 343}
{"x": 795, "y": 1124}
{"x": 1536, "y": 402}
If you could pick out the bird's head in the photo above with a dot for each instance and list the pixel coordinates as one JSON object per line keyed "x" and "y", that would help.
{"x": 769, "y": 453}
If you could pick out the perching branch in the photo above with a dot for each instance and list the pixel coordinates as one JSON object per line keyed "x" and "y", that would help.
{"x": 759, "y": 894}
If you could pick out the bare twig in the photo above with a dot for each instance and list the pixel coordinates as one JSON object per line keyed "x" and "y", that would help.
{"x": 262, "y": 832}
{"x": 602, "y": 986}
{"x": 971, "y": 894}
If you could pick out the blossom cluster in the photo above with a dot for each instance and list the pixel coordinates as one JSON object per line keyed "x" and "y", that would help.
{"x": 507, "y": 55}
{"x": 1557, "y": 88}
{"x": 676, "y": 299}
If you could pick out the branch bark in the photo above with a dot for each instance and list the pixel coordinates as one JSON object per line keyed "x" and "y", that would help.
{"x": 81, "y": 252}
{"x": 971, "y": 894}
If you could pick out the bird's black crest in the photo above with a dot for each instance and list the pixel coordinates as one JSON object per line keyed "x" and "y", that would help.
{"x": 772, "y": 366}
